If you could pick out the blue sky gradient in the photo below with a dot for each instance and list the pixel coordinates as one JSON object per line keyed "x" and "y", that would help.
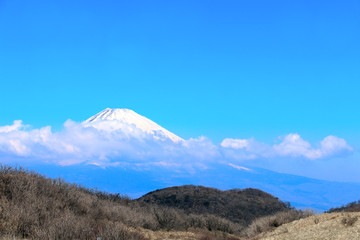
{"x": 221, "y": 69}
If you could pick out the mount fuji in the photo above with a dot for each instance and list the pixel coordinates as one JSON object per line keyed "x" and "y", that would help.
{"x": 129, "y": 121}
{"x": 120, "y": 151}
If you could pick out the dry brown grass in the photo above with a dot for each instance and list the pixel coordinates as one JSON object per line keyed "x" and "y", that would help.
{"x": 191, "y": 234}
{"x": 269, "y": 223}
{"x": 170, "y": 235}
{"x": 330, "y": 226}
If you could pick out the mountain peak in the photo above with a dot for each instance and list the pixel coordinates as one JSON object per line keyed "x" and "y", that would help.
{"x": 111, "y": 114}
{"x": 128, "y": 116}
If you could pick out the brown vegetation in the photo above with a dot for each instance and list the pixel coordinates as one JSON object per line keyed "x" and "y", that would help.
{"x": 32, "y": 206}
{"x": 329, "y": 226}
{"x": 269, "y": 223}
{"x": 36, "y": 207}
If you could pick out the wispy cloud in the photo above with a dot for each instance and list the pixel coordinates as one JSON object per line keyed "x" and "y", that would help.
{"x": 78, "y": 143}
{"x": 238, "y": 167}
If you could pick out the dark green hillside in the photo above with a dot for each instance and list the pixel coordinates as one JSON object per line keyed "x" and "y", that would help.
{"x": 240, "y": 206}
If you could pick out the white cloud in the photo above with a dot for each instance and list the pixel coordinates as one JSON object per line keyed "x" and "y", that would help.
{"x": 332, "y": 145}
{"x": 242, "y": 149}
{"x": 235, "y": 143}
{"x": 9, "y": 128}
{"x": 292, "y": 146}
{"x": 78, "y": 143}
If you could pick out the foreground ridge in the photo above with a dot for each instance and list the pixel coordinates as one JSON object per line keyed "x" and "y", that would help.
{"x": 36, "y": 207}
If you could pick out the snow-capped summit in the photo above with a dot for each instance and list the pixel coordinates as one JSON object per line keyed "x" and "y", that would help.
{"x": 128, "y": 117}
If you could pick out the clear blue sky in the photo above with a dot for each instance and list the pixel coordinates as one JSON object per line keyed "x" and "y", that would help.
{"x": 215, "y": 68}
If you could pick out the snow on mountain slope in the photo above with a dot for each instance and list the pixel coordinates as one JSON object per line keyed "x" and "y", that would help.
{"x": 119, "y": 118}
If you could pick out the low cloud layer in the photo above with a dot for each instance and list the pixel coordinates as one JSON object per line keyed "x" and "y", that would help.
{"x": 78, "y": 143}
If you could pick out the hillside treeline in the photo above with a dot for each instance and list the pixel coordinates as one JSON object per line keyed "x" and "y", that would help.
{"x": 350, "y": 207}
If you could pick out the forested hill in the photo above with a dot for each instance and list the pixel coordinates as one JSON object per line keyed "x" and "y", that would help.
{"x": 240, "y": 206}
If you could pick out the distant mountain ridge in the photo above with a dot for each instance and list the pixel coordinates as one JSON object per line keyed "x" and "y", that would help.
{"x": 301, "y": 192}
{"x": 121, "y": 117}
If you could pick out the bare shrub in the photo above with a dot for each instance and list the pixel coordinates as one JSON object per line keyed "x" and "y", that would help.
{"x": 348, "y": 220}
{"x": 169, "y": 218}
{"x": 32, "y": 206}
{"x": 214, "y": 223}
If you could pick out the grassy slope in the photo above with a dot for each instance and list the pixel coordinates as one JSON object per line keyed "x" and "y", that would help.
{"x": 323, "y": 226}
